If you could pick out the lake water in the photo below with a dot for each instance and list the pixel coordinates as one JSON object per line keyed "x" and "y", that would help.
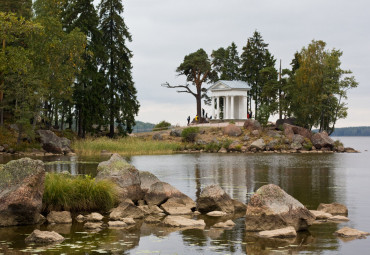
{"x": 310, "y": 178}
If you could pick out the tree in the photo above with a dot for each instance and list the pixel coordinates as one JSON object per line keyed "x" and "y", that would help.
{"x": 116, "y": 65}
{"x": 21, "y": 8}
{"x": 320, "y": 87}
{"x": 226, "y": 62}
{"x": 254, "y": 58}
{"x": 197, "y": 69}
{"x": 89, "y": 85}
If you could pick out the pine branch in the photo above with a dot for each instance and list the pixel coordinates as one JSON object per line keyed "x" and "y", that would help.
{"x": 186, "y": 87}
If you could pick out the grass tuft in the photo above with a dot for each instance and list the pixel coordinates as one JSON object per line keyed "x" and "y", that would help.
{"x": 77, "y": 193}
{"x": 124, "y": 146}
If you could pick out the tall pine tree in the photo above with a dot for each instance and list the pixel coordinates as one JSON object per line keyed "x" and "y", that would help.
{"x": 254, "y": 59}
{"x": 226, "y": 62}
{"x": 89, "y": 86}
{"x": 116, "y": 65}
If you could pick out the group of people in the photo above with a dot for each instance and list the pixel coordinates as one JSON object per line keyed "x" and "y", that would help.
{"x": 204, "y": 115}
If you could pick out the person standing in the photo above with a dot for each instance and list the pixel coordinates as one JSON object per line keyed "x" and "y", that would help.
{"x": 188, "y": 120}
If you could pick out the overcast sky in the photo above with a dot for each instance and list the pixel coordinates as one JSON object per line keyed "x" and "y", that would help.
{"x": 164, "y": 31}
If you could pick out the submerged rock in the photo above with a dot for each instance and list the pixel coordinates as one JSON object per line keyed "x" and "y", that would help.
{"x": 21, "y": 191}
{"x": 117, "y": 224}
{"x": 333, "y": 208}
{"x": 93, "y": 225}
{"x": 272, "y": 208}
{"x": 126, "y": 176}
{"x": 351, "y": 232}
{"x": 216, "y": 214}
{"x": 214, "y": 198}
{"x": 44, "y": 237}
{"x": 287, "y": 232}
{"x": 63, "y": 217}
{"x": 181, "y": 222}
{"x": 226, "y": 224}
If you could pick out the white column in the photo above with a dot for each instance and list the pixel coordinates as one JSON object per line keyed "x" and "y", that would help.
{"x": 213, "y": 107}
{"x": 218, "y": 107}
{"x": 226, "y": 110}
{"x": 232, "y": 107}
{"x": 245, "y": 110}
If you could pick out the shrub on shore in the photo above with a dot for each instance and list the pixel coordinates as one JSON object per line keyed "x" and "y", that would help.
{"x": 77, "y": 193}
{"x": 124, "y": 146}
{"x": 189, "y": 134}
{"x": 163, "y": 125}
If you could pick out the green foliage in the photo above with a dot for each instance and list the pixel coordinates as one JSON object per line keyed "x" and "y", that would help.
{"x": 226, "y": 62}
{"x": 81, "y": 193}
{"x": 337, "y": 144}
{"x": 124, "y": 146}
{"x": 189, "y": 134}
{"x": 116, "y": 67}
{"x": 162, "y": 125}
{"x": 263, "y": 115}
{"x": 254, "y": 61}
{"x": 320, "y": 86}
{"x": 232, "y": 122}
{"x": 307, "y": 144}
{"x": 20, "y": 7}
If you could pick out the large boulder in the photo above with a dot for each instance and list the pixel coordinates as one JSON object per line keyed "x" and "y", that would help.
{"x": 21, "y": 191}
{"x": 272, "y": 208}
{"x": 177, "y": 206}
{"x": 291, "y": 130}
{"x": 251, "y": 124}
{"x": 147, "y": 179}
{"x": 333, "y": 208}
{"x": 54, "y": 144}
{"x": 232, "y": 130}
{"x": 322, "y": 140}
{"x": 126, "y": 176}
{"x": 44, "y": 237}
{"x": 214, "y": 198}
{"x": 280, "y": 122}
{"x": 161, "y": 192}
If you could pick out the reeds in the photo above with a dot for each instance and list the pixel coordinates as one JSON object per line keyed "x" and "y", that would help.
{"x": 77, "y": 193}
{"x": 124, "y": 146}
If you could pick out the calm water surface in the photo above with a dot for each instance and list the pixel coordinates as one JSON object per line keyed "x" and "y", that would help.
{"x": 310, "y": 178}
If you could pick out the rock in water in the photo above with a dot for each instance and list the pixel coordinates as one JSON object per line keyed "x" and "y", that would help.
{"x": 126, "y": 176}
{"x": 125, "y": 210}
{"x": 160, "y": 192}
{"x": 272, "y": 208}
{"x": 63, "y": 217}
{"x": 177, "y": 206}
{"x": 147, "y": 179}
{"x": 44, "y": 237}
{"x": 279, "y": 233}
{"x": 214, "y": 198}
{"x": 181, "y": 222}
{"x": 21, "y": 191}
{"x": 333, "y": 208}
{"x": 351, "y": 232}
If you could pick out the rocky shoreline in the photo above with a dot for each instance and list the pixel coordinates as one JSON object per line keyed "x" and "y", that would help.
{"x": 271, "y": 212}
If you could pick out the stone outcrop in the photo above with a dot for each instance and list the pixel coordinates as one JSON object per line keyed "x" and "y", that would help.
{"x": 126, "y": 210}
{"x": 347, "y": 232}
{"x": 160, "y": 192}
{"x": 214, "y": 198}
{"x": 63, "y": 217}
{"x": 322, "y": 140}
{"x": 126, "y": 176}
{"x": 147, "y": 179}
{"x": 232, "y": 130}
{"x": 181, "y": 222}
{"x": 333, "y": 208}
{"x": 44, "y": 237}
{"x": 272, "y": 208}
{"x": 93, "y": 226}
{"x": 251, "y": 124}
{"x": 21, "y": 191}
{"x": 287, "y": 232}
{"x": 54, "y": 144}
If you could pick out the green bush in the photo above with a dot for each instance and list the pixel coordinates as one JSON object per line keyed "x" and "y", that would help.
{"x": 337, "y": 143}
{"x": 77, "y": 193}
{"x": 213, "y": 146}
{"x": 189, "y": 134}
{"x": 163, "y": 125}
{"x": 307, "y": 144}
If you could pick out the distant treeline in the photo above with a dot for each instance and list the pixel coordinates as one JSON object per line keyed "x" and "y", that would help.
{"x": 352, "y": 131}
{"x": 142, "y": 127}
